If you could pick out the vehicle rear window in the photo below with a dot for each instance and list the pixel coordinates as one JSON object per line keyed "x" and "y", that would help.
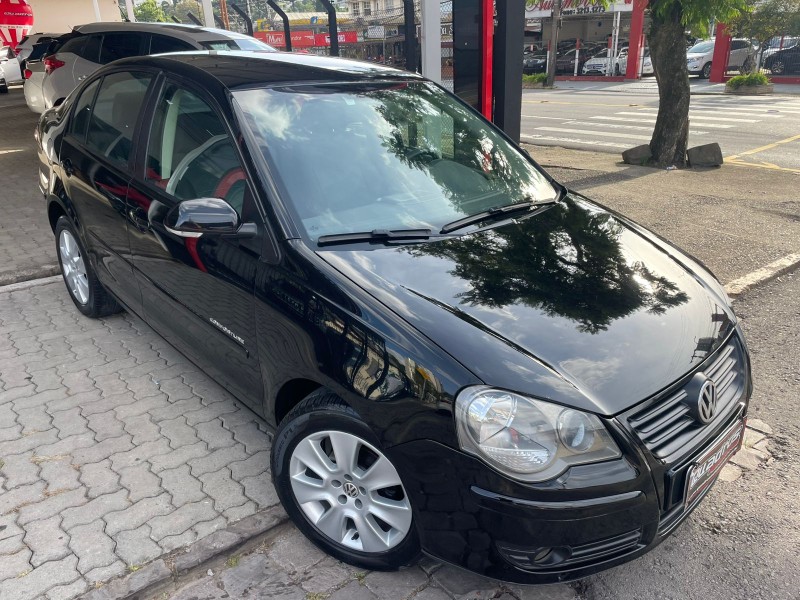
{"x": 114, "y": 116}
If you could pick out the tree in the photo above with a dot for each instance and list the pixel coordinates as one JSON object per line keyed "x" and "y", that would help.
{"x": 149, "y": 11}
{"x": 670, "y": 19}
{"x": 766, "y": 19}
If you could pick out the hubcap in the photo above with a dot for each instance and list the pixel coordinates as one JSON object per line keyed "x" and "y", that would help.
{"x": 350, "y": 491}
{"x": 72, "y": 267}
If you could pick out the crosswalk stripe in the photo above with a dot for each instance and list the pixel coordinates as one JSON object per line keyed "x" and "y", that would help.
{"x": 533, "y": 138}
{"x": 630, "y": 136}
{"x": 709, "y": 111}
{"x": 618, "y": 126}
{"x": 700, "y": 117}
{"x": 751, "y": 109}
{"x": 653, "y": 120}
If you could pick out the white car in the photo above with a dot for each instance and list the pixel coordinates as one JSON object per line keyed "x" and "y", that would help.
{"x": 88, "y": 47}
{"x": 621, "y": 64}
{"x": 10, "y": 73}
{"x": 597, "y": 65}
{"x": 699, "y": 56}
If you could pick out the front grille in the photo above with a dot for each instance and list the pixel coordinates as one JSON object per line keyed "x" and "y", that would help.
{"x": 667, "y": 427}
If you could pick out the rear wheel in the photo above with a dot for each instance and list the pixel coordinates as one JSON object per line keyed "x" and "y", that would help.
{"x": 777, "y": 67}
{"x": 88, "y": 294}
{"x": 339, "y": 487}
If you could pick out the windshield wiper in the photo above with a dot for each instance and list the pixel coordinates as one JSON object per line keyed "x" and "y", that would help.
{"x": 376, "y": 235}
{"x": 494, "y": 213}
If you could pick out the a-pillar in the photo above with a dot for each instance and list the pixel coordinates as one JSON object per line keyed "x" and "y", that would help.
{"x": 722, "y": 48}
{"x": 636, "y": 39}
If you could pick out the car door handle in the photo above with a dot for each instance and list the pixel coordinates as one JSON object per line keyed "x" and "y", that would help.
{"x": 141, "y": 223}
{"x": 66, "y": 164}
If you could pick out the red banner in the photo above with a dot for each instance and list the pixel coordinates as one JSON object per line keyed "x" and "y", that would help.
{"x": 305, "y": 39}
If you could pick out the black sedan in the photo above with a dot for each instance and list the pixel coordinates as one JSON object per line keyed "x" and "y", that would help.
{"x": 458, "y": 354}
{"x": 784, "y": 62}
{"x": 535, "y": 62}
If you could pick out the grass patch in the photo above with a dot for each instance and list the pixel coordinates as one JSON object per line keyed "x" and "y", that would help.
{"x": 134, "y": 568}
{"x": 537, "y": 78}
{"x": 316, "y": 596}
{"x": 361, "y": 577}
{"x": 751, "y": 79}
{"x": 233, "y": 561}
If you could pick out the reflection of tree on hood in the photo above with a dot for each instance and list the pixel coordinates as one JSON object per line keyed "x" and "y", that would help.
{"x": 567, "y": 262}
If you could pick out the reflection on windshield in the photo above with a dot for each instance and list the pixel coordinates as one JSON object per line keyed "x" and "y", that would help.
{"x": 359, "y": 157}
{"x": 571, "y": 264}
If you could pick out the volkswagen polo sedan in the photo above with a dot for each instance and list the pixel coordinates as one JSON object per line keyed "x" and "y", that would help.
{"x": 459, "y": 355}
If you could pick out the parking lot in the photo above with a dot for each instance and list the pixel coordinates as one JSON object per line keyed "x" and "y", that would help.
{"x": 117, "y": 453}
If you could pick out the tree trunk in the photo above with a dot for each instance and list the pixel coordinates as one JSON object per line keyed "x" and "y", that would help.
{"x": 668, "y": 53}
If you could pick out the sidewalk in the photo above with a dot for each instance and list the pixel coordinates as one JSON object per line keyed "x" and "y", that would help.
{"x": 648, "y": 85}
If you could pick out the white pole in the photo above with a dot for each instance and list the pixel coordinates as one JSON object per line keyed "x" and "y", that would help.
{"x": 431, "y": 38}
{"x": 208, "y": 12}
{"x": 617, "y": 17}
{"x": 97, "y": 16}
{"x": 129, "y": 10}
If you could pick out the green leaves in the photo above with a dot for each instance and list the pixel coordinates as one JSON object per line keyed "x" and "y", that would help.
{"x": 697, "y": 15}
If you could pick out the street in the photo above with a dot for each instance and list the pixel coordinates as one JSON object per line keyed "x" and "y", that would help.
{"x": 754, "y": 132}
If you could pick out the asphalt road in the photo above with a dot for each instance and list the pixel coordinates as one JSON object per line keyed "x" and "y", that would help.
{"x": 743, "y": 540}
{"x": 762, "y": 132}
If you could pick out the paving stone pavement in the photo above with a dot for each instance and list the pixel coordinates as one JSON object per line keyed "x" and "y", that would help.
{"x": 291, "y": 568}
{"x": 26, "y": 241}
{"x": 114, "y": 449}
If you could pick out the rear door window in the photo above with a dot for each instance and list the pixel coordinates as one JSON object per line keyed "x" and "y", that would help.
{"x": 120, "y": 45}
{"x": 91, "y": 50}
{"x": 161, "y": 44}
{"x": 83, "y": 110}
{"x": 116, "y": 110}
{"x": 75, "y": 45}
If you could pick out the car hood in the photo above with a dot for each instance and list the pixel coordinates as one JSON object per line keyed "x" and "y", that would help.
{"x": 694, "y": 55}
{"x": 573, "y": 305}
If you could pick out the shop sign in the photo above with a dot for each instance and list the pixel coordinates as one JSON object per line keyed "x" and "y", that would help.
{"x": 542, "y": 9}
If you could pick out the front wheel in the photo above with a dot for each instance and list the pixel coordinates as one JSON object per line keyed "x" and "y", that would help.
{"x": 339, "y": 488}
{"x": 86, "y": 291}
{"x": 706, "y": 71}
{"x": 777, "y": 67}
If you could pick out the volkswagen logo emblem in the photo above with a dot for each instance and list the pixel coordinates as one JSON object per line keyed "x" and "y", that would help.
{"x": 350, "y": 489}
{"x": 707, "y": 402}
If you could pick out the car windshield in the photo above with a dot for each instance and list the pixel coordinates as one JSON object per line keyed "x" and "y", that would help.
{"x": 701, "y": 48}
{"x": 355, "y": 157}
{"x": 238, "y": 44}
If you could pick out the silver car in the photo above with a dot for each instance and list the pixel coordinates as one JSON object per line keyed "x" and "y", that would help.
{"x": 96, "y": 44}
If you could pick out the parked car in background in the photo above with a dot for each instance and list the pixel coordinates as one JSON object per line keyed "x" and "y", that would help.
{"x": 91, "y": 46}
{"x": 776, "y": 44}
{"x": 457, "y": 354}
{"x": 10, "y": 73}
{"x": 34, "y": 73}
{"x": 700, "y": 56}
{"x": 27, "y": 44}
{"x": 784, "y": 62}
{"x": 535, "y": 62}
{"x": 621, "y": 64}
{"x": 597, "y": 64}
{"x": 565, "y": 63}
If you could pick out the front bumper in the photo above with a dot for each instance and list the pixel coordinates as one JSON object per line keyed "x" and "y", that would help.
{"x": 591, "y": 518}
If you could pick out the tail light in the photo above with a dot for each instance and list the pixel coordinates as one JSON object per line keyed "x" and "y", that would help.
{"x": 28, "y": 73}
{"x": 51, "y": 63}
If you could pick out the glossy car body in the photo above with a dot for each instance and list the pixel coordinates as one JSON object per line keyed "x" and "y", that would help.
{"x": 10, "y": 73}
{"x": 91, "y": 46}
{"x": 784, "y": 62}
{"x": 700, "y": 56}
{"x": 534, "y": 62}
{"x": 572, "y": 304}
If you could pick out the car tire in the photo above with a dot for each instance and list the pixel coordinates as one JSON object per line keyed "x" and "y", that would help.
{"x": 706, "y": 72}
{"x": 777, "y": 67}
{"x": 3, "y": 89}
{"x": 86, "y": 291}
{"x": 340, "y": 512}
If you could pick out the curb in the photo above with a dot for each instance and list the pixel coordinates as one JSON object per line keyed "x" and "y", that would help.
{"x": 33, "y": 274}
{"x": 156, "y": 577}
{"x": 765, "y": 274}
{"x": 24, "y": 285}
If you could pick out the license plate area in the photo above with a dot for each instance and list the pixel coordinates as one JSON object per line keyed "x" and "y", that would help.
{"x": 705, "y": 468}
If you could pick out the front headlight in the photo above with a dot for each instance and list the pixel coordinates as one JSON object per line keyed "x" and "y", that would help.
{"x": 528, "y": 439}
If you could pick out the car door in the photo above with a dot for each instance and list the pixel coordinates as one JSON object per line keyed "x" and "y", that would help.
{"x": 196, "y": 291}
{"x": 738, "y": 54}
{"x": 87, "y": 59}
{"x": 95, "y": 157}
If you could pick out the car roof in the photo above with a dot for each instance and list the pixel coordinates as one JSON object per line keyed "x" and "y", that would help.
{"x": 178, "y": 30}
{"x": 247, "y": 69}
